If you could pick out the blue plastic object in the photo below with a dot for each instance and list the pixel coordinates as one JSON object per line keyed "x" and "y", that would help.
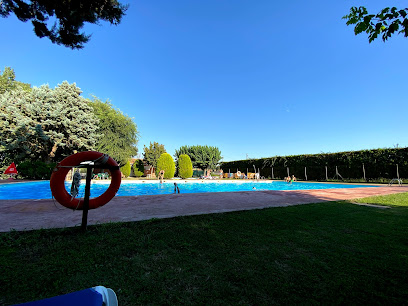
{"x": 86, "y": 297}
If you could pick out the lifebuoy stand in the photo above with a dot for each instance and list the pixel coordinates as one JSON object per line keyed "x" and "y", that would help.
{"x": 89, "y": 160}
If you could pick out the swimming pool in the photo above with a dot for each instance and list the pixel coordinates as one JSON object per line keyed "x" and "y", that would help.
{"x": 41, "y": 189}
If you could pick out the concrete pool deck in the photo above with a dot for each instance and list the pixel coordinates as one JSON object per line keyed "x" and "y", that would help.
{"x": 36, "y": 214}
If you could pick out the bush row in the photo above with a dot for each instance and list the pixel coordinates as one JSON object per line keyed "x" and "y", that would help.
{"x": 36, "y": 170}
{"x": 378, "y": 163}
{"x": 42, "y": 170}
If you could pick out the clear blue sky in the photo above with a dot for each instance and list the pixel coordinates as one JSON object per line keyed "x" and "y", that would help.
{"x": 258, "y": 78}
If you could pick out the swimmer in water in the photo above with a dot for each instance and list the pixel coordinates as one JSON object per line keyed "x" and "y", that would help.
{"x": 161, "y": 176}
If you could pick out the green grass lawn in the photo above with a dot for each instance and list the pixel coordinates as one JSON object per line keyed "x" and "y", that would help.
{"x": 331, "y": 253}
{"x": 398, "y": 199}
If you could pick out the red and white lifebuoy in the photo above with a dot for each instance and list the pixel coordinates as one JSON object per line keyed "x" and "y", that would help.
{"x": 60, "y": 172}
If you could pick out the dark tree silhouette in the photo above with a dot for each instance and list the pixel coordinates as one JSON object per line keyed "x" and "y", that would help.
{"x": 62, "y": 20}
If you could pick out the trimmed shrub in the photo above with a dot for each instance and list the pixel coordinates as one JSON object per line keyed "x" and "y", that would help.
{"x": 36, "y": 170}
{"x": 166, "y": 163}
{"x": 185, "y": 166}
{"x": 138, "y": 168}
{"x": 125, "y": 169}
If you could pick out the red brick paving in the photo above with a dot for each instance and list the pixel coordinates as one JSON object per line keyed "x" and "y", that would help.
{"x": 36, "y": 214}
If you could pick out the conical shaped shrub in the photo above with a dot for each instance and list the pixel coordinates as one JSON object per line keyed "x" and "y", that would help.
{"x": 166, "y": 163}
{"x": 185, "y": 166}
{"x": 125, "y": 169}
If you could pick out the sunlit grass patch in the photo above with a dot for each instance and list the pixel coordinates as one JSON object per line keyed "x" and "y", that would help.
{"x": 396, "y": 199}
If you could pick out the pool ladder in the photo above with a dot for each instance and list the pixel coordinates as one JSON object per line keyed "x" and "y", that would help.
{"x": 396, "y": 180}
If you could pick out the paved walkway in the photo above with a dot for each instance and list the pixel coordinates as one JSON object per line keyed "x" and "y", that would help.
{"x": 36, "y": 214}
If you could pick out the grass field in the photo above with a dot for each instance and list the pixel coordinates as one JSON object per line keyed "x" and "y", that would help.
{"x": 328, "y": 253}
{"x": 393, "y": 200}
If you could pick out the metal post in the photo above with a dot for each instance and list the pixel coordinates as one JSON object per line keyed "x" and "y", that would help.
{"x": 364, "y": 172}
{"x": 397, "y": 172}
{"x": 85, "y": 208}
{"x": 305, "y": 174}
{"x": 326, "y": 174}
{"x": 287, "y": 169}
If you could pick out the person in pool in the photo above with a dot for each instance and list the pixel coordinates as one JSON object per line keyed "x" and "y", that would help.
{"x": 293, "y": 179}
{"x": 161, "y": 176}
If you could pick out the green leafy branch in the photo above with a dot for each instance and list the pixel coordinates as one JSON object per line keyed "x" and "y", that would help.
{"x": 387, "y": 22}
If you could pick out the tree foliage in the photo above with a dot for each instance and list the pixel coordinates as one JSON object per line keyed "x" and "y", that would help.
{"x": 166, "y": 163}
{"x": 119, "y": 135}
{"x": 203, "y": 157}
{"x": 36, "y": 170}
{"x": 385, "y": 23}
{"x": 138, "y": 168}
{"x": 46, "y": 124}
{"x": 126, "y": 169}
{"x": 152, "y": 153}
{"x": 185, "y": 166}
{"x": 61, "y": 21}
{"x": 8, "y": 81}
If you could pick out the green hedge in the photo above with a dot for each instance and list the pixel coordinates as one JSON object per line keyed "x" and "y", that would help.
{"x": 138, "y": 168}
{"x": 166, "y": 163}
{"x": 378, "y": 163}
{"x": 36, "y": 170}
{"x": 198, "y": 173}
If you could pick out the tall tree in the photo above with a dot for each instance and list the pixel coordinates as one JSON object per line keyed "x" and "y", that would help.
{"x": 152, "y": 153}
{"x": 119, "y": 132}
{"x": 202, "y": 157}
{"x": 385, "y": 23}
{"x": 69, "y": 16}
{"x": 8, "y": 81}
{"x": 46, "y": 124}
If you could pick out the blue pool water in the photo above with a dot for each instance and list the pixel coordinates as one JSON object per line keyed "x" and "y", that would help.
{"x": 41, "y": 189}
